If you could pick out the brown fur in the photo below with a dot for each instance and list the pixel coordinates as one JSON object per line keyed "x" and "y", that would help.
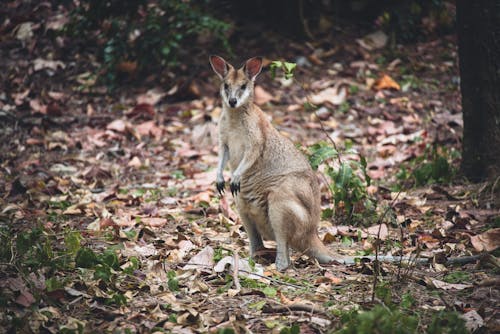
{"x": 278, "y": 196}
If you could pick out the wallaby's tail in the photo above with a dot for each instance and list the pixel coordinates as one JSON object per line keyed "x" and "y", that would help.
{"x": 318, "y": 250}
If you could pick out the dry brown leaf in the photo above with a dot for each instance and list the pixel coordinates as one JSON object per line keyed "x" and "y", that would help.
{"x": 40, "y": 64}
{"x": 135, "y": 162}
{"x": 473, "y": 320}
{"x": 25, "y": 298}
{"x": 261, "y": 96}
{"x": 335, "y": 95}
{"x": 373, "y": 41}
{"x": 118, "y": 125}
{"x": 129, "y": 67}
{"x": 386, "y": 82}
{"x": 380, "y": 231}
{"x": 444, "y": 285}
{"x": 203, "y": 261}
{"x": 244, "y": 267}
{"x": 151, "y": 97}
{"x": 487, "y": 241}
{"x": 154, "y": 221}
{"x": 37, "y": 107}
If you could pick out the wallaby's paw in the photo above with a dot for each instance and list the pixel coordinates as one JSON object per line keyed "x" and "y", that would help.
{"x": 220, "y": 187}
{"x": 235, "y": 188}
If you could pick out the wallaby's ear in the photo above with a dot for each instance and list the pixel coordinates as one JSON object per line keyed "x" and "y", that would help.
{"x": 219, "y": 65}
{"x": 252, "y": 67}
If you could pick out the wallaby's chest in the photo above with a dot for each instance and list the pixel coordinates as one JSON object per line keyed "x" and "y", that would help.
{"x": 234, "y": 134}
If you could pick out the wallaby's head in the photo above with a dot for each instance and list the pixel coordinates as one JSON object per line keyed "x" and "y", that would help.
{"x": 237, "y": 85}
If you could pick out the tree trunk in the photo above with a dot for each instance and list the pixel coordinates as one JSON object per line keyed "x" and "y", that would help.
{"x": 478, "y": 27}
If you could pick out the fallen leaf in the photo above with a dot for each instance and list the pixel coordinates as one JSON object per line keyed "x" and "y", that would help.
{"x": 151, "y": 97}
{"x": 202, "y": 261}
{"x": 24, "y": 31}
{"x": 487, "y": 241}
{"x": 40, "y": 64}
{"x": 473, "y": 320}
{"x": 153, "y": 221}
{"x": 335, "y": 95}
{"x": 261, "y": 96}
{"x": 444, "y": 285}
{"x": 25, "y": 298}
{"x": 377, "y": 230}
{"x": 118, "y": 125}
{"x": 133, "y": 249}
{"x": 37, "y": 107}
{"x": 244, "y": 268}
{"x": 135, "y": 162}
{"x": 386, "y": 82}
{"x": 373, "y": 41}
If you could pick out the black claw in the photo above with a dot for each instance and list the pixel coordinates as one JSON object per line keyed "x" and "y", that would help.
{"x": 235, "y": 188}
{"x": 220, "y": 187}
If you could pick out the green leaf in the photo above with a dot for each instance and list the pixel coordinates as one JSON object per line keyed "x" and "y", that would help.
{"x": 320, "y": 153}
{"x": 173, "y": 282}
{"x": 110, "y": 259}
{"x": 52, "y": 284}
{"x": 344, "y": 175}
{"x": 269, "y": 291}
{"x": 258, "y": 305}
{"x": 102, "y": 272}
{"x": 72, "y": 241}
{"x": 289, "y": 67}
{"x": 86, "y": 258}
{"x": 327, "y": 213}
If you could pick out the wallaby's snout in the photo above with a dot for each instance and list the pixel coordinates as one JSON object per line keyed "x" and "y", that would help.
{"x": 232, "y": 102}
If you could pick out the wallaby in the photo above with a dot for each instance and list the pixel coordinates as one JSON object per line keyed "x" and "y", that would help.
{"x": 276, "y": 191}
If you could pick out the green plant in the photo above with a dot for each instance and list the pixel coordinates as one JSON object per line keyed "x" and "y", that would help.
{"x": 287, "y": 68}
{"x": 142, "y": 35}
{"x": 446, "y": 322}
{"x": 380, "y": 319}
{"x": 349, "y": 179}
{"x": 435, "y": 165}
{"x": 63, "y": 258}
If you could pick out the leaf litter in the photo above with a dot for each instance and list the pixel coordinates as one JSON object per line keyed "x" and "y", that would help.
{"x": 133, "y": 173}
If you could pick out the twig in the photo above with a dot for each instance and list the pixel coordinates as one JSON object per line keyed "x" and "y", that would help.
{"x": 201, "y": 265}
{"x": 377, "y": 245}
{"x": 322, "y": 126}
{"x": 236, "y": 267}
{"x": 313, "y": 309}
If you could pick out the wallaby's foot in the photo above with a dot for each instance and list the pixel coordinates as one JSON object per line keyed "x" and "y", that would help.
{"x": 220, "y": 187}
{"x": 282, "y": 261}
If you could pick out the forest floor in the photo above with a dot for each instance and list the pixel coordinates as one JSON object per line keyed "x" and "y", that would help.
{"x": 110, "y": 220}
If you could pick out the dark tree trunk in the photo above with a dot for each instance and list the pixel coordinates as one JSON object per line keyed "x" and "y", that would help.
{"x": 478, "y": 25}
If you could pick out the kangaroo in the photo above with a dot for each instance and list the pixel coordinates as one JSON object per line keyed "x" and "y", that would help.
{"x": 275, "y": 189}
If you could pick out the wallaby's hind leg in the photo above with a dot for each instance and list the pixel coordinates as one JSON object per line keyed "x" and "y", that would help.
{"x": 254, "y": 236}
{"x": 277, "y": 218}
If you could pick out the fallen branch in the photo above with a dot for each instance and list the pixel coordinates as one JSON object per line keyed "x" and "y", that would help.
{"x": 313, "y": 309}
{"x": 350, "y": 260}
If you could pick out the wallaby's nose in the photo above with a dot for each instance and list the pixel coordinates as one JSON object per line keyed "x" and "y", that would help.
{"x": 232, "y": 102}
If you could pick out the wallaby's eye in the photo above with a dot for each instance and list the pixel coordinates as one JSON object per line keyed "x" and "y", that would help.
{"x": 226, "y": 86}
{"x": 243, "y": 86}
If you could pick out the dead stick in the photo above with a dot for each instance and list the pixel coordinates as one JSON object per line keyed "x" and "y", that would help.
{"x": 236, "y": 267}
{"x": 313, "y": 309}
{"x": 377, "y": 246}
